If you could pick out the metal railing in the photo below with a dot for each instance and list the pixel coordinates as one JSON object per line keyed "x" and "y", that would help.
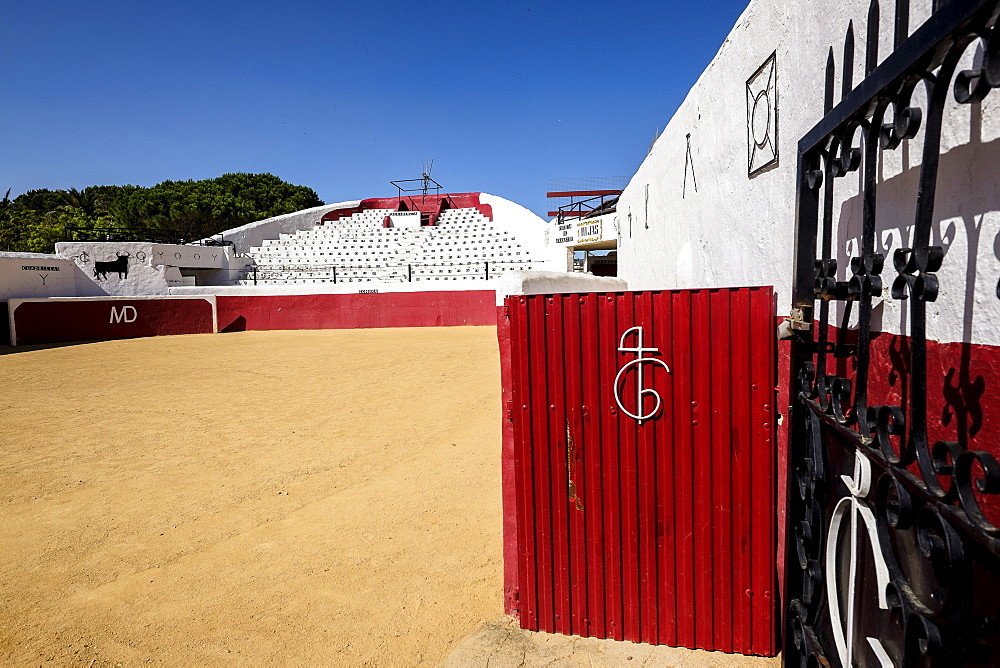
{"x": 339, "y": 273}
{"x": 124, "y": 234}
{"x": 586, "y": 207}
{"x": 140, "y": 234}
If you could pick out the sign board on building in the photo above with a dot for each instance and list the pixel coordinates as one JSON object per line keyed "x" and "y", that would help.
{"x": 565, "y": 234}
{"x": 405, "y": 219}
{"x": 36, "y": 276}
{"x": 588, "y": 231}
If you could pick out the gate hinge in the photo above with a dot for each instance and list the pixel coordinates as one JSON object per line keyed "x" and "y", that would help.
{"x": 795, "y": 322}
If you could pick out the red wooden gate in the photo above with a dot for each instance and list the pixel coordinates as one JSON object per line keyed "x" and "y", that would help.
{"x": 642, "y": 512}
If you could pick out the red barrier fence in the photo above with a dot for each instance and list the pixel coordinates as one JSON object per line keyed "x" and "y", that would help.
{"x": 350, "y": 311}
{"x": 63, "y": 320}
{"x": 639, "y": 466}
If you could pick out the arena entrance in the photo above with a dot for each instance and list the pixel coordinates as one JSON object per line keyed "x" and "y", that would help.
{"x": 639, "y": 466}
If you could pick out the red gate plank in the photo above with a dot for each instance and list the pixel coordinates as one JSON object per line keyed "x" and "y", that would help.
{"x": 555, "y": 379}
{"x": 628, "y": 498}
{"x": 743, "y": 418}
{"x": 763, "y": 490}
{"x": 683, "y": 469}
{"x": 609, "y": 471}
{"x": 521, "y": 393}
{"x": 701, "y": 435}
{"x": 593, "y": 501}
{"x": 542, "y": 478}
{"x": 575, "y": 474}
{"x": 722, "y": 525}
{"x": 648, "y": 489}
{"x": 667, "y": 492}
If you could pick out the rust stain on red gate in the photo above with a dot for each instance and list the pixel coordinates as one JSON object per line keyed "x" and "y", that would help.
{"x": 659, "y": 531}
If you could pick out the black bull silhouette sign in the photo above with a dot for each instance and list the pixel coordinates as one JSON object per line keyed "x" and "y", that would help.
{"x": 119, "y": 266}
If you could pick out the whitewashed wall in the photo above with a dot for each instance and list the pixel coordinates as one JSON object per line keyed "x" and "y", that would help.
{"x": 691, "y": 216}
{"x": 36, "y": 275}
{"x": 143, "y": 278}
{"x": 152, "y": 268}
{"x": 526, "y": 226}
{"x": 253, "y": 234}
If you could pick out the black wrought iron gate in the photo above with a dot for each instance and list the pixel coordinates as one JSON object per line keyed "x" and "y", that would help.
{"x": 894, "y": 546}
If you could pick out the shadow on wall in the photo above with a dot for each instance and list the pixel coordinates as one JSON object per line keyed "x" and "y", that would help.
{"x": 968, "y": 189}
{"x": 239, "y": 324}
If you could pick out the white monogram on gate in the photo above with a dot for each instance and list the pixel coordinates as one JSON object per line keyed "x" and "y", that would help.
{"x": 638, "y": 363}
{"x": 856, "y": 512}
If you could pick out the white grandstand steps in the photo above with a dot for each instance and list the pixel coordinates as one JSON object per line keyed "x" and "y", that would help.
{"x": 358, "y": 249}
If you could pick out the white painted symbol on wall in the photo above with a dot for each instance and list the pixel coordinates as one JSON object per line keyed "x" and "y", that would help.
{"x": 126, "y": 314}
{"x": 861, "y": 516}
{"x": 639, "y": 362}
{"x": 762, "y": 116}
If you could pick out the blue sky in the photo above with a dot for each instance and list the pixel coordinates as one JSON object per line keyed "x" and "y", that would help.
{"x": 343, "y": 97}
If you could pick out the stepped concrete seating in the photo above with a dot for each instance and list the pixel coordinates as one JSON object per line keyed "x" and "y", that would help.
{"x": 464, "y": 245}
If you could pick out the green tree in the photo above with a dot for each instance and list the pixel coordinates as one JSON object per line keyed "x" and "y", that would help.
{"x": 200, "y": 209}
{"x": 41, "y": 199}
{"x": 38, "y": 218}
{"x": 88, "y": 201}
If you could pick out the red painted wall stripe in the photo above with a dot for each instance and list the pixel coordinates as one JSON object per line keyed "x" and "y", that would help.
{"x": 352, "y": 311}
{"x": 660, "y": 532}
{"x": 431, "y": 204}
{"x": 66, "y": 321}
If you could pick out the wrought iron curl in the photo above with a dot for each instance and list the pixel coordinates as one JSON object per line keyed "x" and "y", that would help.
{"x": 974, "y": 84}
{"x": 967, "y": 486}
{"x": 825, "y": 272}
{"x": 906, "y": 119}
{"x": 832, "y": 391}
{"x": 941, "y": 548}
{"x": 915, "y": 269}
{"x": 850, "y": 156}
{"x": 889, "y": 423}
{"x": 865, "y": 279}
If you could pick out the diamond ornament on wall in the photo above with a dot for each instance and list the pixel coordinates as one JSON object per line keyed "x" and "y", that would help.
{"x": 762, "y": 117}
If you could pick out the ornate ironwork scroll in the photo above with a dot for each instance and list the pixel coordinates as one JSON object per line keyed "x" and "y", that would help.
{"x": 894, "y": 556}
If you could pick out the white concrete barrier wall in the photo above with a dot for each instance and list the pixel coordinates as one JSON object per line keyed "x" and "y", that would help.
{"x": 36, "y": 275}
{"x": 253, "y": 234}
{"x": 553, "y": 282}
{"x": 712, "y": 225}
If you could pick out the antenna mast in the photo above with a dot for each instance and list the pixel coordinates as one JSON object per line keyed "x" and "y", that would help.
{"x": 426, "y": 175}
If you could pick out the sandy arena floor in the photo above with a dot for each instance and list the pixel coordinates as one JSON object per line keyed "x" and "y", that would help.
{"x": 317, "y": 497}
